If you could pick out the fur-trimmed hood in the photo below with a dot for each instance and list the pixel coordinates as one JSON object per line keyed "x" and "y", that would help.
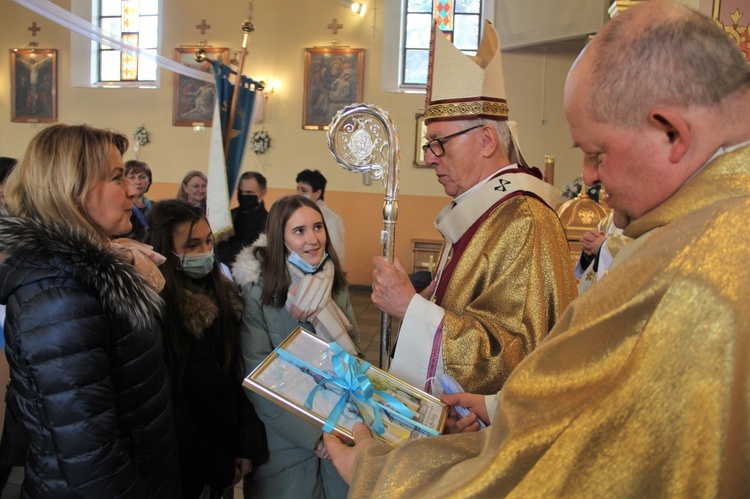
{"x": 199, "y": 310}
{"x": 40, "y": 249}
{"x": 248, "y": 266}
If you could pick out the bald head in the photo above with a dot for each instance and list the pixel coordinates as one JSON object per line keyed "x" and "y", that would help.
{"x": 659, "y": 53}
{"x": 651, "y": 99}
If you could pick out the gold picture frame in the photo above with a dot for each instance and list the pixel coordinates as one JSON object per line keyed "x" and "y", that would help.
{"x": 193, "y": 100}
{"x": 334, "y": 78}
{"x": 729, "y": 15}
{"x": 33, "y": 85}
{"x": 302, "y": 361}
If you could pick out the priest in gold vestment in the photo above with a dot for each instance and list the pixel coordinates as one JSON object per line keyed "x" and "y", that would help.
{"x": 642, "y": 389}
{"x": 504, "y": 276}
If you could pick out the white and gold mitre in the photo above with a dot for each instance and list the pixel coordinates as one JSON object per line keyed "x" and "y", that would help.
{"x": 462, "y": 87}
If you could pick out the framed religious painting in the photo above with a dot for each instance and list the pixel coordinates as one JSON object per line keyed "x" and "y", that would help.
{"x": 333, "y": 79}
{"x": 33, "y": 82}
{"x": 194, "y": 99}
{"x": 734, "y": 17}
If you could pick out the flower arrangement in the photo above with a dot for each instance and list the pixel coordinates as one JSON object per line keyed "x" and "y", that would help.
{"x": 261, "y": 142}
{"x": 141, "y": 135}
{"x": 571, "y": 190}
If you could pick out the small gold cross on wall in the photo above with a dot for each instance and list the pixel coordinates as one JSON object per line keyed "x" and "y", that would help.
{"x": 203, "y": 26}
{"x": 335, "y": 26}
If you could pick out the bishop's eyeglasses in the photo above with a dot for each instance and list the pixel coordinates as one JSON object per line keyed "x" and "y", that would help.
{"x": 436, "y": 145}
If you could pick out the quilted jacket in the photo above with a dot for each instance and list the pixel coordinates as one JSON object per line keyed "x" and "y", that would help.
{"x": 86, "y": 365}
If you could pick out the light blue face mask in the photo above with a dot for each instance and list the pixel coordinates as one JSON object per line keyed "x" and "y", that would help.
{"x": 197, "y": 265}
{"x": 303, "y": 265}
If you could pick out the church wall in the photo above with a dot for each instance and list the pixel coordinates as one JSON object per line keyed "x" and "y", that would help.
{"x": 534, "y": 81}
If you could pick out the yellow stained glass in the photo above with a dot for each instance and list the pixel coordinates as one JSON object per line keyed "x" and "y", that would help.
{"x": 129, "y": 68}
{"x": 130, "y": 16}
{"x": 136, "y": 23}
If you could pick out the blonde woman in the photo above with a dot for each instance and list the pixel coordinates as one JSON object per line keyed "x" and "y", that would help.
{"x": 193, "y": 189}
{"x": 82, "y": 336}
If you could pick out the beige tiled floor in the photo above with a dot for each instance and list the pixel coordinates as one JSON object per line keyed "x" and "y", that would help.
{"x": 368, "y": 320}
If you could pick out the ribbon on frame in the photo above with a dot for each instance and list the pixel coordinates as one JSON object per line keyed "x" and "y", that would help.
{"x": 350, "y": 375}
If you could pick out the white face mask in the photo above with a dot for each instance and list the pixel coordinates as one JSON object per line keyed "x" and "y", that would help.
{"x": 302, "y": 264}
{"x": 308, "y": 196}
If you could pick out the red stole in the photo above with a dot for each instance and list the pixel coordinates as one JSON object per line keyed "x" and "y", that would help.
{"x": 463, "y": 241}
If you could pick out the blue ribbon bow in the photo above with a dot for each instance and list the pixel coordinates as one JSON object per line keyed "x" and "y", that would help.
{"x": 350, "y": 376}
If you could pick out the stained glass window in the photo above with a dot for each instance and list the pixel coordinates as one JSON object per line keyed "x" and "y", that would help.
{"x": 134, "y": 22}
{"x": 458, "y": 19}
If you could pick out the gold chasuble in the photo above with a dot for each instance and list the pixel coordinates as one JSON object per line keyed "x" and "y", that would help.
{"x": 504, "y": 278}
{"x": 642, "y": 389}
{"x": 505, "y": 291}
{"x": 509, "y": 276}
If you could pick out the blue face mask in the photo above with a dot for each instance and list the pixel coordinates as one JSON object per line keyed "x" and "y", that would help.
{"x": 197, "y": 265}
{"x": 303, "y": 265}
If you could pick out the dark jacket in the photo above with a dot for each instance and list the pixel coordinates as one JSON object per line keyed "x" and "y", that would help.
{"x": 216, "y": 421}
{"x": 87, "y": 366}
{"x": 139, "y": 221}
{"x": 248, "y": 225}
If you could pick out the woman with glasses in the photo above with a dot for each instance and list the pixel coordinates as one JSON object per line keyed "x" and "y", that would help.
{"x": 220, "y": 437}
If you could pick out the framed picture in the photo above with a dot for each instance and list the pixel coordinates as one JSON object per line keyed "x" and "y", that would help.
{"x": 33, "y": 81}
{"x": 302, "y": 361}
{"x": 334, "y": 78}
{"x": 420, "y": 141}
{"x": 731, "y": 16}
{"x": 194, "y": 99}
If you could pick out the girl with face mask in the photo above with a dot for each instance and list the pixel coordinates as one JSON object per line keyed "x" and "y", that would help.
{"x": 220, "y": 436}
{"x": 292, "y": 277}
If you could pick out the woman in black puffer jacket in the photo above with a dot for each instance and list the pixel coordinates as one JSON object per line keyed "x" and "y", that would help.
{"x": 83, "y": 344}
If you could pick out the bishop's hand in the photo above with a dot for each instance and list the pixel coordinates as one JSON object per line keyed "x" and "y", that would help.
{"x": 392, "y": 289}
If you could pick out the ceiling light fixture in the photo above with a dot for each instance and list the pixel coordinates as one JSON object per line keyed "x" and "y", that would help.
{"x": 356, "y": 7}
{"x": 359, "y": 8}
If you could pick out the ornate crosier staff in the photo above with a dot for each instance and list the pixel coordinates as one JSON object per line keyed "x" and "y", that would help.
{"x": 363, "y": 139}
